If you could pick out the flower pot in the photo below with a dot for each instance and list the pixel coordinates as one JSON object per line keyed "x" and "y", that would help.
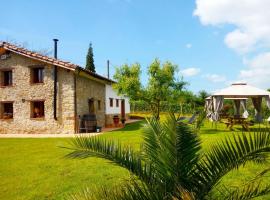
{"x": 116, "y": 120}
{"x": 123, "y": 120}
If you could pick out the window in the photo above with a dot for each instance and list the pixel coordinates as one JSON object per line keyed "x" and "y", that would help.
{"x": 37, "y": 109}
{"x": 111, "y": 102}
{"x": 6, "y": 110}
{"x": 117, "y": 102}
{"x": 6, "y": 78}
{"x": 37, "y": 75}
{"x": 99, "y": 105}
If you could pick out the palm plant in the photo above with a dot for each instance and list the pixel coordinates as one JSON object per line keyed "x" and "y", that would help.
{"x": 172, "y": 165}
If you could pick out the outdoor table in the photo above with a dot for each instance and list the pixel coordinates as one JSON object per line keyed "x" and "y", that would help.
{"x": 237, "y": 120}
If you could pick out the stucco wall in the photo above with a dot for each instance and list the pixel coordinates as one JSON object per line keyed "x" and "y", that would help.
{"x": 110, "y": 93}
{"x": 111, "y": 111}
{"x": 88, "y": 89}
{"x": 23, "y": 89}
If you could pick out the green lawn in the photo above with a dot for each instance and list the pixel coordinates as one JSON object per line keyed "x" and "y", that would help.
{"x": 37, "y": 168}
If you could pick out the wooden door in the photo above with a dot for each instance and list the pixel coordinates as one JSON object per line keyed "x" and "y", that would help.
{"x": 91, "y": 105}
{"x": 123, "y": 110}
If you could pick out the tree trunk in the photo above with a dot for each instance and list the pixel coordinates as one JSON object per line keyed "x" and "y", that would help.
{"x": 158, "y": 110}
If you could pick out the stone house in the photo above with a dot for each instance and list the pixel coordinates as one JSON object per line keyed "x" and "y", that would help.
{"x": 40, "y": 94}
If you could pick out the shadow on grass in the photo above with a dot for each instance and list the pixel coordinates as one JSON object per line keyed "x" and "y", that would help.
{"x": 215, "y": 131}
{"x": 259, "y": 129}
{"x": 131, "y": 127}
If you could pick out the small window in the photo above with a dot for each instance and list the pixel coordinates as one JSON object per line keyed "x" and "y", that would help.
{"x": 111, "y": 102}
{"x": 99, "y": 105}
{"x": 117, "y": 102}
{"x": 7, "y": 110}
{"x": 91, "y": 105}
{"x": 6, "y": 78}
{"x": 37, "y": 75}
{"x": 37, "y": 109}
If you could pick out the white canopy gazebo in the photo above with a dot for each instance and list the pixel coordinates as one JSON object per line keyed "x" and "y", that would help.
{"x": 239, "y": 92}
{"x": 208, "y": 107}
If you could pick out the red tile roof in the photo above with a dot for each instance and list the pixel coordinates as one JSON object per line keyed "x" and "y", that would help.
{"x": 37, "y": 56}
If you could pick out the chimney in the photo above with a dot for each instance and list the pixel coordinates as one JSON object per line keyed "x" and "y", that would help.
{"x": 55, "y": 82}
{"x": 108, "y": 69}
{"x": 55, "y": 48}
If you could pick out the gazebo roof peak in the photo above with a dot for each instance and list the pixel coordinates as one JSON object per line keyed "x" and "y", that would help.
{"x": 241, "y": 90}
{"x": 239, "y": 83}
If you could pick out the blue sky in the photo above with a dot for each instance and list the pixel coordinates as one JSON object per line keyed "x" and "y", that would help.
{"x": 128, "y": 31}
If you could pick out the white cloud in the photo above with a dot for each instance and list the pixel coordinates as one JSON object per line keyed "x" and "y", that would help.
{"x": 192, "y": 71}
{"x": 215, "y": 78}
{"x": 188, "y": 45}
{"x": 250, "y": 34}
{"x": 258, "y": 71}
{"x": 250, "y": 18}
{"x": 240, "y": 41}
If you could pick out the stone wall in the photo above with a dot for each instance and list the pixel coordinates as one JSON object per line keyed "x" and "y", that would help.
{"x": 88, "y": 89}
{"x": 22, "y": 92}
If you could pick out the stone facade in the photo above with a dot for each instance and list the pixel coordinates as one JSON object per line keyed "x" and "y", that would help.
{"x": 88, "y": 89}
{"x": 23, "y": 92}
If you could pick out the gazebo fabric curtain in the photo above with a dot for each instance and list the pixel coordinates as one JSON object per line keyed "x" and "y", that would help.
{"x": 237, "y": 106}
{"x": 217, "y": 106}
{"x": 267, "y": 99}
{"x": 208, "y": 107}
{"x": 257, "y": 102}
{"x": 243, "y": 103}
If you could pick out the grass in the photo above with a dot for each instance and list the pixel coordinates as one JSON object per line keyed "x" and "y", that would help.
{"x": 38, "y": 169}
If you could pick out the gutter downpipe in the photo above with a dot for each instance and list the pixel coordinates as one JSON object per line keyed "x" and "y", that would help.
{"x": 76, "y": 124}
{"x": 55, "y": 82}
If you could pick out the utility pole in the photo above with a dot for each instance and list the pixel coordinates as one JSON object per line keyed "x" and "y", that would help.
{"x": 108, "y": 69}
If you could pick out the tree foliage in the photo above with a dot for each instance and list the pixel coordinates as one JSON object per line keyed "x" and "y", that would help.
{"x": 171, "y": 164}
{"x": 162, "y": 84}
{"x": 90, "y": 59}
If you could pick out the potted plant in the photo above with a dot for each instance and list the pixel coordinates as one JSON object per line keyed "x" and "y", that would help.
{"x": 123, "y": 120}
{"x": 116, "y": 120}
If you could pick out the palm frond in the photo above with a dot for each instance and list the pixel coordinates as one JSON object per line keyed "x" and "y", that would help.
{"x": 131, "y": 190}
{"x": 173, "y": 150}
{"x": 229, "y": 155}
{"x": 96, "y": 194}
{"x": 248, "y": 191}
{"x": 183, "y": 194}
{"x": 83, "y": 147}
{"x": 188, "y": 148}
{"x": 141, "y": 191}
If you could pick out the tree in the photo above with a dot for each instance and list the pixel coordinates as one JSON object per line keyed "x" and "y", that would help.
{"x": 185, "y": 98}
{"x": 90, "y": 59}
{"x": 202, "y": 95}
{"x": 200, "y": 98}
{"x": 171, "y": 164}
{"x": 161, "y": 84}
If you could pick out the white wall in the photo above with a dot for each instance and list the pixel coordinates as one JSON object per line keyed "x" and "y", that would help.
{"x": 110, "y": 93}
